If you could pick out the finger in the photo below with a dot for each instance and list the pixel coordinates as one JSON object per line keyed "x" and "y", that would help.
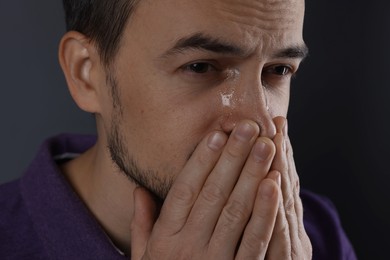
{"x": 239, "y": 207}
{"x": 188, "y": 184}
{"x": 289, "y": 192}
{"x": 144, "y": 216}
{"x": 280, "y": 123}
{"x": 294, "y": 176}
{"x": 221, "y": 181}
{"x": 286, "y": 228}
{"x": 295, "y": 180}
{"x": 302, "y": 241}
{"x": 259, "y": 230}
{"x": 280, "y": 244}
{"x": 302, "y": 235}
{"x": 281, "y": 164}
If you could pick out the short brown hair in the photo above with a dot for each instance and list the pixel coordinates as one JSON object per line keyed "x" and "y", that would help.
{"x": 103, "y": 21}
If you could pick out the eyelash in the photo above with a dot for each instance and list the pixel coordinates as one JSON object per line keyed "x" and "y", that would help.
{"x": 277, "y": 76}
{"x": 273, "y": 76}
{"x": 192, "y": 67}
{"x": 287, "y": 70}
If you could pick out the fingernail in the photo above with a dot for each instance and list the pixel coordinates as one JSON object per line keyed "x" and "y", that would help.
{"x": 261, "y": 151}
{"x": 216, "y": 141}
{"x": 245, "y": 131}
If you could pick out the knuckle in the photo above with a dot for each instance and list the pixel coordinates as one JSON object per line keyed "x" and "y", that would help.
{"x": 297, "y": 185}
{"x": 255, "y": 242}
{"x": 284, "y": 230}
{"x": 289, "y": 147}
{"x": 236, "y": 212}
{"x": 183, "y": 193}
{"x": 212, "y": 193}
{"x": 289, "y": 205}
{"x": 233, "y": 152}
{"x": 232, "y": 218}
{"x": 253, "y": 173}
{"x": 296, "y": 252}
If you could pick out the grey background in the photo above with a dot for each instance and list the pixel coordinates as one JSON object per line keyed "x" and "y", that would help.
{"x": 338, "y": 120}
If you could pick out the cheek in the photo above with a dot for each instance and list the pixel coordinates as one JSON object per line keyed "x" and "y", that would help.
{"x": 162, "y": 131}
{"x": 279, "y": 102}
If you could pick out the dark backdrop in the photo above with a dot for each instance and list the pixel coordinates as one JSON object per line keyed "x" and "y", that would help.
{"x": 338, "y": 118}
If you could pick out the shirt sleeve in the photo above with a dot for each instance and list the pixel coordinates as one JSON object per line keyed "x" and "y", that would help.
{"x": 324, "y": 229}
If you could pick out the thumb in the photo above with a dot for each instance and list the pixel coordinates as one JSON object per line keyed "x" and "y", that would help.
{"x": 142, "y": 221}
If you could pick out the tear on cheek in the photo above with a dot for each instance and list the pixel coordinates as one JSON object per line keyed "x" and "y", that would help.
{"x": 226, "y": 99}
{"x": 232, "y": 78}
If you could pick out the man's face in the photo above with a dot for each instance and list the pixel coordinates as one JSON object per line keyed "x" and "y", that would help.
{"x": 186, "y": 68}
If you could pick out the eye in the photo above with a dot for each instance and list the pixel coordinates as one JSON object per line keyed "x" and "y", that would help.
{"x": 277, "y": 76}
{"x": 199, "y": 67}
{"x": 280, "y": 70}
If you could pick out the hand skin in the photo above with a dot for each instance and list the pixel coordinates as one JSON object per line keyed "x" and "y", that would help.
{"x": 225, "y": 204}
{"x": 289, "y": 239}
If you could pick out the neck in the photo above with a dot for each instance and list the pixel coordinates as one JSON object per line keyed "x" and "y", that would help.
{"x": 105, "y": 190}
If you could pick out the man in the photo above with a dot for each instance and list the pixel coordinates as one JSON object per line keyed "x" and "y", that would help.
{"x": 192, "y": 158}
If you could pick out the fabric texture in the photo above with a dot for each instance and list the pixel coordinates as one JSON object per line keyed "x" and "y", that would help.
{"x": 41, "y": 217}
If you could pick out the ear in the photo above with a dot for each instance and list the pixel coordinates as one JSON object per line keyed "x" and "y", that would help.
{"x": 81, "y": 65}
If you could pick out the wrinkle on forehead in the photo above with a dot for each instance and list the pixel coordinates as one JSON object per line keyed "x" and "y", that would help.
{"x": 266, "y": 15}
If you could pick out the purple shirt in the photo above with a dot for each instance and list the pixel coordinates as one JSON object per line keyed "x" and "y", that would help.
{"x": 41, "y": 216}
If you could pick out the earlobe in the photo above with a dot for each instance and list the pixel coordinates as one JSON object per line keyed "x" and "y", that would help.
{"x": 78, "y": 59}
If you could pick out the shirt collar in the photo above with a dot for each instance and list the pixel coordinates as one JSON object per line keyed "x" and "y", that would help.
{"x": 66, "y": 227}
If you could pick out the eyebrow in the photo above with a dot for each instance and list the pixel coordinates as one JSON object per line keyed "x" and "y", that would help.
{"x": 295, "y": 52}
{"x": 200, "y": 41}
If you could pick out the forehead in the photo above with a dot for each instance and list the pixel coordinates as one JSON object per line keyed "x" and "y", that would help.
{"x": 262, "y": 14}
{"x": 253, "y": 22}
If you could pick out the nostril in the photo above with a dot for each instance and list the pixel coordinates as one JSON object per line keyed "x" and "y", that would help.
{"x": 228, "y": 126}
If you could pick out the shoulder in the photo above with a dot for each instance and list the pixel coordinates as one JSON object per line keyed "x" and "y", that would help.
{"x": 17, "y": 236}
{"x": 12, "y": 206}
{"x": 324, "y": 228}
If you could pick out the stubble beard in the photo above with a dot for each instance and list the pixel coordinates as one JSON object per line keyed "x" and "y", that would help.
{"x": 157, "y": 184}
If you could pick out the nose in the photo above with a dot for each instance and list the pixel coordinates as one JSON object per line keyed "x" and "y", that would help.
{"x": 248, "y": 100}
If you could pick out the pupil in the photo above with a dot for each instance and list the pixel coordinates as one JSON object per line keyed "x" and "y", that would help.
{"x": 281, "y": 70}
{"x": 199, "y": 67}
